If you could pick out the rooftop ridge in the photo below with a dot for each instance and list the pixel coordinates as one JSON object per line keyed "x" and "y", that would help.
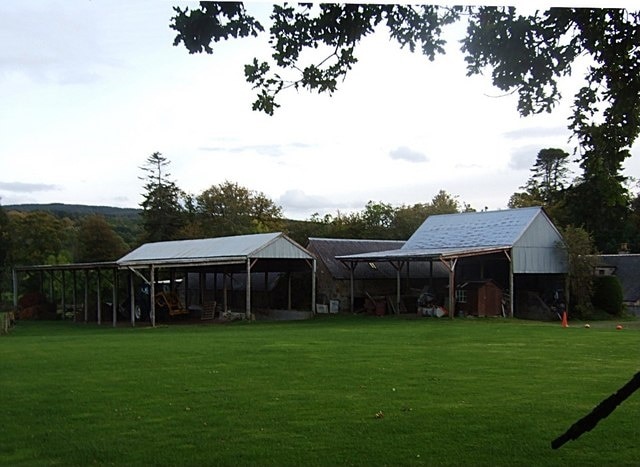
{"x": 379, "y": 240}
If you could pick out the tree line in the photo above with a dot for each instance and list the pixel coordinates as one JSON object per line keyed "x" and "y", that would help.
{"x": 230, "y": 209}
{"x": 169, "y": 213}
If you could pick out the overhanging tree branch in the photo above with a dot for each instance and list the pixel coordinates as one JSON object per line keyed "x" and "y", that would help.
{"x": 527, "y": 54}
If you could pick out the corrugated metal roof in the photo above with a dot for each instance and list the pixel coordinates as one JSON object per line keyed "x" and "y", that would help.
{"x": 235, "y": 248}
{"x": 69, "y": 266}
{"x": 472, "y": 229}
{"x": 328, "y": 250}
{"x": 423, "y": 254}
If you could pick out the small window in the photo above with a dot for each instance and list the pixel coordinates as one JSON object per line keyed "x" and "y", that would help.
{"x": 461, "y": 296}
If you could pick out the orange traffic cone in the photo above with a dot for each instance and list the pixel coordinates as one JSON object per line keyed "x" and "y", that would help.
{"x": 565, "y": 324}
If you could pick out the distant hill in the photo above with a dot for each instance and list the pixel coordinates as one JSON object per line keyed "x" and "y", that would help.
{"x": 126, "y": 222}
{"x": 75, "y": 210}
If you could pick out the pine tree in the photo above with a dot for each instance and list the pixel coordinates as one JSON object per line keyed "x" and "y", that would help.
{"x": 162, "y": 215}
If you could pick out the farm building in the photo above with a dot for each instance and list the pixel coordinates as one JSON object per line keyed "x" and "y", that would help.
{"x": 519, "y": 250}
{"x": 241, "y": 255}
{"x": 219, "y": 266}
{"x": 336, "y": 288}
{"x": 626, "y": 267}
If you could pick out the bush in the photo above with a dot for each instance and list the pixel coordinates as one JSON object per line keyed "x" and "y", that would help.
{"x": 607, "y": 295}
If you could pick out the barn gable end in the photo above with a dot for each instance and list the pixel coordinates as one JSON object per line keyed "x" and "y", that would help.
{"x": 539, "y": 249}
{"x": 282, "y": 247}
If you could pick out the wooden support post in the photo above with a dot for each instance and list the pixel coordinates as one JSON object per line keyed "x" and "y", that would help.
{"x": 511, "y": 283}
{"x": 511, "y": 290}
{"x": 114, "y": 297}
{"x": 452, "y": 293}
{"x": 152, "y": 295}
{"x": 132, "y": 299}
{"x": 63, "y": 302}
{"x": 313, "y": 286}
{"x": 289, "y": 291}
{"x": 86, "y": 296}
{"x": 248, "y": 291}
{"x": 224, "y": 292}
{"x": 202, "y": 287}
{"x": 99, "y": 298}
{"x": 567, "y": 291}
{"x": 398, "y": 291}
{"x": 75, "y": 295}
{"x": 250, "y": 264}
{"x": 52, "y": 298}
{"x": 451, "y": 266}
{"x": 352, "y": 304}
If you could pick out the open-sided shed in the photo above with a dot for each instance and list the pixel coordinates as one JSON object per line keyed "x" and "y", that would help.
{"x": 497, "y": 245}
{"x": 337, "y": 282}
{"x": 81, "y": 278}
{"x": 243, "y": 254}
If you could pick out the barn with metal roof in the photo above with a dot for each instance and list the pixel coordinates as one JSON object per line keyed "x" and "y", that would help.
{"x": 241, "y": 254}
{"x": 516, "y": 248}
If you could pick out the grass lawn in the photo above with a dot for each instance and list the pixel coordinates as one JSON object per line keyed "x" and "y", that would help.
{"x": 336, "y": 390}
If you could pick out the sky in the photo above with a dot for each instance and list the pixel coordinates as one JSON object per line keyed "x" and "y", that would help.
{"x": 90, "y": 89}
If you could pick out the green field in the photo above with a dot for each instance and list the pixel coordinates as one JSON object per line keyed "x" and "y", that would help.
{"x": 337, "y": 390}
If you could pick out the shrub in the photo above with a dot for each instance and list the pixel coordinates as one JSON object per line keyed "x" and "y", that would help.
{"x": 608, "y": 295}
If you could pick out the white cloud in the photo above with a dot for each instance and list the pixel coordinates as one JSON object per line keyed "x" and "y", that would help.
{"x": 523, "y": 158}
{"x": 297, "y": 199}
{"x": 271, "y": 150}
{"x": 406, "y": 154}
{"x": 298, "y": 204}
{"x": 538, "y": 133}
{"x": 52, "y": 43}
{"x": 21, "y": 187}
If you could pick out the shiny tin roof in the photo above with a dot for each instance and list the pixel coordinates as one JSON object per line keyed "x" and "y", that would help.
{"x": 220, "y": 249}
{"x": 472, "y": 229}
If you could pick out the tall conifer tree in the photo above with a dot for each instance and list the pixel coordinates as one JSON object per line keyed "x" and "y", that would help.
{"x": 162, "y": 213}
